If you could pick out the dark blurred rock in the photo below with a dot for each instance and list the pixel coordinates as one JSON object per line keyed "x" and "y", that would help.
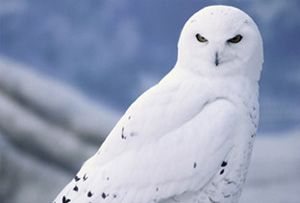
{"x": 26, "y": 179}
{"x": 55, "y": 102}
{"x": 47, "y": 131}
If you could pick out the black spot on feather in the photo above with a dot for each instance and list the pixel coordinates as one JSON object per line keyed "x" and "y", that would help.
{"x": 65, "y": 200}
{"x": 211, "y": 200}
{"x": 224, "y": 163}
{"x": 103, "y": 195}
{"x": 229, "y": 182}
{"x": 122, "y": 135}
{"x": 75, "y": 189}
{"x": 195, "y": 164}
{"x": 226, "y": 196}
{"x": 77, "y": 178}
{"x": 89, "y": 194}
{"x": 85, "y": 177}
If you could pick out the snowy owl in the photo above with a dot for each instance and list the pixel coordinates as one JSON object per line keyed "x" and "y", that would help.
{"x": 189, "y": 138}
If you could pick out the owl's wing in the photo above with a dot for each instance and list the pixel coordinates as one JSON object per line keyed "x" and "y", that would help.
{"x": 146, "y": 159}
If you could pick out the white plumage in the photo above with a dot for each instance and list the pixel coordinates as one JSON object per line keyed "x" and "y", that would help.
{"x": 189, "y": 138}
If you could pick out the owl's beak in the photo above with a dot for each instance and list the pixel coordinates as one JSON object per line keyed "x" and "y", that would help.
{"x": 217, "y": 60}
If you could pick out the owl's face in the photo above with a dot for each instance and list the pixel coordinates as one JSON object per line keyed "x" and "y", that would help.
{"x": 221, "y": 40}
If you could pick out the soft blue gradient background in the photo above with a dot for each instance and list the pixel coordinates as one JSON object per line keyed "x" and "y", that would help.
{"x": 114, "y": 50}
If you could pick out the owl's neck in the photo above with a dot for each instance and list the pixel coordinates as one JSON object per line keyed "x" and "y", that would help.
{"x": 237, "y": 87}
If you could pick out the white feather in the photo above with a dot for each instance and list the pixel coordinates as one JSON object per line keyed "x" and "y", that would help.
{"x": 189, "y": 138}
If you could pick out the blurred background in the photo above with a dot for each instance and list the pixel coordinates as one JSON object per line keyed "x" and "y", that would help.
{"x": 69, "y": 70}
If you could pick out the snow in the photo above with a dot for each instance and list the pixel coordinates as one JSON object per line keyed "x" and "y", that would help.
{"x": 274, "y": 172}
{"x": 26, "y": 179}
{"x": 59, "y": 102}
{"x": 48, "y": 129}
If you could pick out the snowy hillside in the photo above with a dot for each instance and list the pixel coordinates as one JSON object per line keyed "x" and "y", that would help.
{"x": 274, "y": 172}
{"x": 47, "y": 130}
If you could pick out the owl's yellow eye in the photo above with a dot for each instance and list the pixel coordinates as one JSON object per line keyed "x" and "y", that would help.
{"x": 236, "y": 39}
{"x": 200, "y": 38}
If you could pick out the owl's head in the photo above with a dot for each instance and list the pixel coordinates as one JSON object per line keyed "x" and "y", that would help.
{"x": 221, "y": 41}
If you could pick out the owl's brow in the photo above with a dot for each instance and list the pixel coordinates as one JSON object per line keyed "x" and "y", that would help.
{"x": 247, "y": 22}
